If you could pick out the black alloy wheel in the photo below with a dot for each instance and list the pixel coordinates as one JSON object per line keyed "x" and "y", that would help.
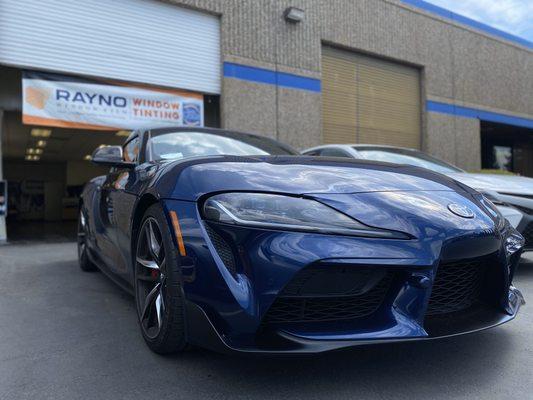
{"x": 158, "y": 285}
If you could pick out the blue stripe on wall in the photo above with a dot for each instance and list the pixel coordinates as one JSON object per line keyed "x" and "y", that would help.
{"x": 261, "y": 75}
{"x": 269, "y": 77}
{"x": 442, "y": 12}
{"x": 467, "y": 112}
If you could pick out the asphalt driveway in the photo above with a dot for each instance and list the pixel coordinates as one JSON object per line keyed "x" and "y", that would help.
{"x": 70, "y": 335}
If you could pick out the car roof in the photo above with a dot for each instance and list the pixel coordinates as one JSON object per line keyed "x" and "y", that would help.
{"x": 359, "y": 145}
{"x": 203, "y": 129}
{"x": 383, "y": 146}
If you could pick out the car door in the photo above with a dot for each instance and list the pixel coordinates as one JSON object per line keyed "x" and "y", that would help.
{"x": 122, "y": 194}
{"x": 104, "y": 226}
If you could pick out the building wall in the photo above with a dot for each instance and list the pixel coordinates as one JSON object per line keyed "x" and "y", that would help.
{"x": 461, "y": 66}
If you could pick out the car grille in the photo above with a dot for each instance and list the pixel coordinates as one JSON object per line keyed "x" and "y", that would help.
{"x": 358, "y": 293}
{"x": 223, "y": 249}
{"x": 527, "y": 233}
{"x": 457, "y": 286}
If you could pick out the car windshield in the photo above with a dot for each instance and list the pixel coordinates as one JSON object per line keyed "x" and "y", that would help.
{"x": 404, "y": 156}
{"x": 185, "y": 144}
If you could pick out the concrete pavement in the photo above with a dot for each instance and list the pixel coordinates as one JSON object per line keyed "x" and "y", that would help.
{"x": 65, "y": 334}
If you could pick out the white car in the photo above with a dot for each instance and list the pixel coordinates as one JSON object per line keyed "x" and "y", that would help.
{"x": 513, "y": 195}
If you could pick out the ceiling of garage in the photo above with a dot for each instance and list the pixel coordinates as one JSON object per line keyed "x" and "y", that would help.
{"x": 62, "y": 145}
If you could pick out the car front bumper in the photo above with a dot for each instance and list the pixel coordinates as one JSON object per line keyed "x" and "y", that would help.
{"x": 202, "y": 332}
{"x": 228, "y": 309}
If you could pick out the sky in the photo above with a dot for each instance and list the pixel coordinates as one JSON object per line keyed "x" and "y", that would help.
{"x": 512, "y": 16}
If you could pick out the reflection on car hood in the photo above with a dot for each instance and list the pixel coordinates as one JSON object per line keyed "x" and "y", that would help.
{"x": 421, "y": 214}
{"x": 510, "y": 184}
{"x": 190, "y": 179}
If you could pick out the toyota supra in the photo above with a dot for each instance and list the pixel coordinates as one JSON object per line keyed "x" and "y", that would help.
{"x": 233, "y": 242}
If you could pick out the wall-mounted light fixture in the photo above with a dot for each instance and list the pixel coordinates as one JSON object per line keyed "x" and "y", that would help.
{"x": 294, "y": 14}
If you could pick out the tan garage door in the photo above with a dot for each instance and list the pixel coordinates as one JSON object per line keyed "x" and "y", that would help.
{"x": 368, "y": 100}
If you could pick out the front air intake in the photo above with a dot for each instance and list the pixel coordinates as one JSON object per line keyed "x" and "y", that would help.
{"x": 330, "y": 294}
{"x": 458, "y": 286}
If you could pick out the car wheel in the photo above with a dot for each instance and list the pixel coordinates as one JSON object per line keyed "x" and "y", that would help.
{"x": 83, "y": 258}
{"x": 158, "y": 292}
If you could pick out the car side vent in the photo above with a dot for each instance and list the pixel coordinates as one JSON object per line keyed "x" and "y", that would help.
{"x": 223, "y": 249}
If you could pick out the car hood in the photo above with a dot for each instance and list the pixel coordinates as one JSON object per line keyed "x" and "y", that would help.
{"x": 421, "y": 214}
{"x": 510, "y": 184}
{"x": 396, "y": 197}
{"x": 193, "y": 178}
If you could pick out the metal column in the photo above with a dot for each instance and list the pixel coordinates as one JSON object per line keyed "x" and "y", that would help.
{"x": 3, "y": 233}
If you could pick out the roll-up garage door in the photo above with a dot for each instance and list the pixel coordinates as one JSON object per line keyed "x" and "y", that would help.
{"x": 368, "y": 100}
{"x": 144, "y": 41}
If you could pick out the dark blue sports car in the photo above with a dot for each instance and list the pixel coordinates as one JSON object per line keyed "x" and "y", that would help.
{"x": 233, "y": 242}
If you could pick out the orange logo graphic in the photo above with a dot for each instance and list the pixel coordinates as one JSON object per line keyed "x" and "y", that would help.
{"x": 37, "y": 97}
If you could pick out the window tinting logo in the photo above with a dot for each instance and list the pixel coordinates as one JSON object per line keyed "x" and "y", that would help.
{"x": 37, "y": 97}
{"x": 192, "y": 114}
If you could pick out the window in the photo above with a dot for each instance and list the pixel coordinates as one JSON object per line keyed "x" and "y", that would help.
{"x": 185, "y": 144}
{"x": 332, "y": 152}
{"x": 131, "y": 150}
{"x": 404, "y": 156}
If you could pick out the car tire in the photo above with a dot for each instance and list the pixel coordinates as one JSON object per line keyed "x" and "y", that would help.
{"x": 158, "y": 289}
{"x": 84, "y": 261}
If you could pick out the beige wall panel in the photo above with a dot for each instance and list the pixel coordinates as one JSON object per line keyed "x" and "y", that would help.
{"x": 249, "y": 107}
{"x": 299, "y": 111}
{"x": 455, "y": 140}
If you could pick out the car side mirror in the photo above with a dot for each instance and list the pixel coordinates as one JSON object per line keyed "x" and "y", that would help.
{"x": 110, "y": 156}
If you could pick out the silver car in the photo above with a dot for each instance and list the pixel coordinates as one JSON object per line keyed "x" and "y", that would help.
{"x": 513, "y": 195}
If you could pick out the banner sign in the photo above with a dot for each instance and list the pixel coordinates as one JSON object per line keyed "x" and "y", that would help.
{"x": 61, "y": 101}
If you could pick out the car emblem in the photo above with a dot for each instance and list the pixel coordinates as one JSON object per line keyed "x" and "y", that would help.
{"x": 460, "y": 210}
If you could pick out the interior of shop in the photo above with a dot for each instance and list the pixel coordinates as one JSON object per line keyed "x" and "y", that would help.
{"x": 507, "y": 148}
{"x": 46, "y": 169}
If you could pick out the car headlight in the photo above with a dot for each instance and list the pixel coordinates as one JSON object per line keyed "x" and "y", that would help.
{"x": 273, "y": 211}
{"x": 514, "y": 242}
{"x": 513, "y": 246}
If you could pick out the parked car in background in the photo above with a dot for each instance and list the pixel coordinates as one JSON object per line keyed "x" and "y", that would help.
{"x": 237, "y": 243}
{"x": 513, "y": 195}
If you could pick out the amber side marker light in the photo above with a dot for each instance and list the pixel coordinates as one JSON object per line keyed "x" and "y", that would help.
{"x": 177, "y": 231}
